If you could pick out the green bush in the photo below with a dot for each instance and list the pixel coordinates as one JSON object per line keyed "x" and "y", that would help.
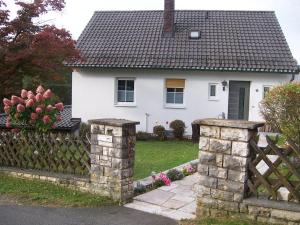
{"x": 178, "y": 127}
{"x": 160, "y": 131}
{"x": 143, "y": 136}
{"x": 281, "y": 110}
{"x": 85, "y": 130}
{"x": 175, "y": 174}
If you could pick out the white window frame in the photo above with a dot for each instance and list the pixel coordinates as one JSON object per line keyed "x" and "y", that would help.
{"x": 213, "y": 98}
{"x": 263, "y": 90}
{"x": 170, "y": 105}
{"x": 125, "y": 104}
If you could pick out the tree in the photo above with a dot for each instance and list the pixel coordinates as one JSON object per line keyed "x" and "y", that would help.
{"x": 32, "y": 52}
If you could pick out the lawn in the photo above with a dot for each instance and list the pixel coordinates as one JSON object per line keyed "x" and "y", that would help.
{"x": 45, "y": 193}
{"x": 158, "y": 156}
{"x": 220, "y": 221}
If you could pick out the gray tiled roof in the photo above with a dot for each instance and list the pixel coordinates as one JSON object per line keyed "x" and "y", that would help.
{"x": 230, "y": 40}
{"x": 67, "y": 123}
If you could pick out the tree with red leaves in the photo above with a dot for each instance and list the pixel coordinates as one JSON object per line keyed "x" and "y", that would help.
{"x": 31, "y": 50}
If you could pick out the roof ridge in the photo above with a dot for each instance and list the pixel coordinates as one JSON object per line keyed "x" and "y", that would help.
{"x": 186, "y": 10}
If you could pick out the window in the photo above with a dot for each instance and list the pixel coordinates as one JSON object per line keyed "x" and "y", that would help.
{"x": 266, "y": 90}
{"x": 175, "y": 91}
{"x": 212, "y": 92}
{"x": 195, "y": 35}
{"x": 125, "y": 89}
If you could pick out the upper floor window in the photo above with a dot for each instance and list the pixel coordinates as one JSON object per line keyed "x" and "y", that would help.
{"x": 175, "y": 91}
{"x": 125, "y": 90}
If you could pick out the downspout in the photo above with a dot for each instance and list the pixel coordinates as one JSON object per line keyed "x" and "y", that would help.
{"x": 293, "y": 78}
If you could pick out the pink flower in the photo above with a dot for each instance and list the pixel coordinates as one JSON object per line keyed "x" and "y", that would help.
{"x": 29, "y": 93}
{"x": 38, "y": 110}
{"x": 23, "y": 93}
{"x": 47, "y": 94}
{"x": 49, "y": 108}
{"x": 59, "y": 106}
{"x": 20, "y": 108}
{"x": 46, "y": 119}
{"x": 6, "y": 102}
{"x": 7, "y": 124}
{"x": 165, "y": 179}
{"x": 33, "y": 116}
{"x": 21, "y": 100}
{"x": 40, "y": 89}
{"x": 31, "y": 96}
{"x": 7, "y": 109}
{"x": 39, "y": 97}
{"x": 58, "y": 118}
{"x": 14, "y": 100}
{"x": 29, "y": 103}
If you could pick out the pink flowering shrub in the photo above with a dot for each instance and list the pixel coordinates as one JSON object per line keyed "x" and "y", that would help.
{"x": 161, "y": 180}
{"x": 188, "y": 170}
{"x": 40, "y": 111}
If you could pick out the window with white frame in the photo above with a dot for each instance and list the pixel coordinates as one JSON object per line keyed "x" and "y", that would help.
{"x": 125, "y": 90}
{"x": 212, "y": 91}
{"x": 266, "y": 89}
{"x": 175, "y": 91}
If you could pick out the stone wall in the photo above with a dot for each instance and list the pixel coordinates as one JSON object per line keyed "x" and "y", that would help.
{"x": 223, "y": 167}
{"x": 112, "y": 158}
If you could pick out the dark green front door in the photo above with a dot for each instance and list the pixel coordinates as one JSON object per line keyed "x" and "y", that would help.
{"x": 238, "y": 103}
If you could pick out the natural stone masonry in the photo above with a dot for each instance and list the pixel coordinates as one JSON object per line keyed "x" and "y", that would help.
{"x": 223, "y": 168}
{"x": 223, "y": 158}
{"x": 112, "y": 158}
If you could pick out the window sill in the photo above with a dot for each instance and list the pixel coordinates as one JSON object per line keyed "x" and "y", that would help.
{"x": 125, "y": 105}
{"x": 213, "y": 99}
{"x": 175, "y": 106}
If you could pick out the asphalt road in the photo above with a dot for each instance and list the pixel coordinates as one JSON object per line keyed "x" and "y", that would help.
{"x": 31, "y": 215}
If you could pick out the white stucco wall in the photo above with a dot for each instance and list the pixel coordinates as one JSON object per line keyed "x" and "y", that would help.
{"x": 93, "y": 95}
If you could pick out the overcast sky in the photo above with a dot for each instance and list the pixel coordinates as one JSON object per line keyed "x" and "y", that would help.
{"x": 78, "y": 12}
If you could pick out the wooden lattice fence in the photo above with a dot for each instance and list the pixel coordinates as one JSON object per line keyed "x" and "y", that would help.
{"x": 53, "y": 152}
{"x": 280, "y": 177}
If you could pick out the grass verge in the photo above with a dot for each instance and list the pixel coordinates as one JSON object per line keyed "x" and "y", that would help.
{"x": 220, "y": 221}
{"x": 45, "y": 193}
{"x": 154, "y": 155}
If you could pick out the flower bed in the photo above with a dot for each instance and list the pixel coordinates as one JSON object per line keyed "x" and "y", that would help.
{"x": 165, "y": 178}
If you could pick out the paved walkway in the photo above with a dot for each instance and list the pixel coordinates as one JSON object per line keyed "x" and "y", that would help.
{"x": 177, "y": 201}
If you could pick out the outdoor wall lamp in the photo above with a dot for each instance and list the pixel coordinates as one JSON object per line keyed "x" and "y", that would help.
{"x": 224, "y": 84}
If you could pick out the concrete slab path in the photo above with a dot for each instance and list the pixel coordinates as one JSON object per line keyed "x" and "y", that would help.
{"x": 177, "y": 201}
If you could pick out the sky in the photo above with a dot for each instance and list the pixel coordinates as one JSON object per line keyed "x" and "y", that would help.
{"x": 77, "y": 13}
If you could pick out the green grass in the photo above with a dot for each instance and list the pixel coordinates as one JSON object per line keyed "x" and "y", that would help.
{"x": 221, "y": 221}
{"x": 45, "y": 193}
{"x": 158, "y": 156}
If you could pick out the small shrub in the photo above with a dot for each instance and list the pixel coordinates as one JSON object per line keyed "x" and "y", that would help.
{"x": 85, "y": 130}
{"x": 188, "y": 170}
{"x": 281, "y": 110}
{"x": 158, "y": 183}
{"x": 178, "y": 127}
{"x": 175, "y": 174}
{"x": 140, "y": 189}
{"x": 160, "y": 131}
{"x": 143, "y": 136}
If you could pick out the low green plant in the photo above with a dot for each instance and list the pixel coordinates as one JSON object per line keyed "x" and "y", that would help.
{"x": 178, "y": 127}
{"x": 84, "y": 130}
{"x": 175, "y": 174}
{"x": 160, "y": 131}
{"x": 143, "y": 136}
{"x": 158, "y": 183}
{"x": 140, "y": 189}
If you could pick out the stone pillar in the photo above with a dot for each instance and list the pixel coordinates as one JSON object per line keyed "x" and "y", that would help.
{"x": 223, "y": 159}
{"x": 112, "y": 158}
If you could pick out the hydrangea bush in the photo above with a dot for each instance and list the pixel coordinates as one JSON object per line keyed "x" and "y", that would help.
{"x": 39, "y": 110}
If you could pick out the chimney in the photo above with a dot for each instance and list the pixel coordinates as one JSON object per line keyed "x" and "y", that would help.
{"x": 169, "y": 18}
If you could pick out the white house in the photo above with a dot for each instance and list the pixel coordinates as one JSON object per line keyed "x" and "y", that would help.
{"x": 157, "y": 66}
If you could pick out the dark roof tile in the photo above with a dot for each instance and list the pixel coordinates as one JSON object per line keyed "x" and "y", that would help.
{"x": 230, "y": 40}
